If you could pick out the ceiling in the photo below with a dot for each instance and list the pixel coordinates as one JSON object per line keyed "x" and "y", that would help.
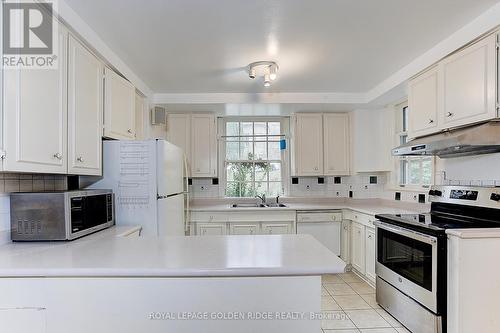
{"x": 199, "y": 46}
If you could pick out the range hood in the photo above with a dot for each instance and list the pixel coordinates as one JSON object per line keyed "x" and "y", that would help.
{"x": 466, "y": 141}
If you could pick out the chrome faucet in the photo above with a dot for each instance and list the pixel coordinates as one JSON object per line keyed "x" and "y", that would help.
{"x": 262, "y": 197}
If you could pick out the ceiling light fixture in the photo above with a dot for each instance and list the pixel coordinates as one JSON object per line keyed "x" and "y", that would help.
{"x": 266, "y": 69}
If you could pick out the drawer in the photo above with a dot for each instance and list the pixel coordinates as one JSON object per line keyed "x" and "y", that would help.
{"x": 319, "y": 217}
{"x": 358, "y": 217}
{"x": 261, "y": 216}
{"x": 209, "y": 217}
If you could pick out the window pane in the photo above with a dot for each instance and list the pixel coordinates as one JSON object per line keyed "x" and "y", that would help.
{"x": 232, "y": 150}
{"x": 246, "y": 129}
{"x": 261, "y": 188}
{"x": 414, "y": 172}
{"x": 260, "y": 129}
{"x": 261, "y": 171}
{"x": 246, "y": 151}
{"x": 275, "y": 189}
{"x": 426, "y": 171}
{"x": 232, "y": 189}
{"x": 274, "y": 128}
{"x": 260, "y": 151}
{"x": 239, "y": 172}
{"x": 232, "y": 129}
{"x": 405, "y": 119}
{"x": 403, "y": 139}
{"x": 274, "y": 151}
{"x": 275, "y": 172}
{"x": 403, "y": 172}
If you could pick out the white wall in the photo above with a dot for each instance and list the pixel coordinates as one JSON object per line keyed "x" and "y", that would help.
{"x": 473, "y": 170}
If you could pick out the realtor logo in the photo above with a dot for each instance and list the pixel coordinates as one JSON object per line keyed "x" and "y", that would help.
{"x": 29, "y": 34}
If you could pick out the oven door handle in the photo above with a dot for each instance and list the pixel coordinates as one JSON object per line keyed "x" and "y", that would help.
{"x": 406, "y": 232}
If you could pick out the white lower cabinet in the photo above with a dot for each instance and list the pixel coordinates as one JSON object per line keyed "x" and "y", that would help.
{"x": 243, "y": 223}
{"x": 277, "y": 228}
{"x": 358, "y": 247}
{"x": 211, "y": 229}
{"x": 243, "y": 229}
{"x": 370, "y": 243}
{"x": 358, "y": 240}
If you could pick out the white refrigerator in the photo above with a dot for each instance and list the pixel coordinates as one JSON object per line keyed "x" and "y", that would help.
{"x": 149, "y": 179}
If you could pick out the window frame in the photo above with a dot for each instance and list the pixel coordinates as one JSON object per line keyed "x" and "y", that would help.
{"x": 402, "y": 172}
{"x": 285, "y": 165}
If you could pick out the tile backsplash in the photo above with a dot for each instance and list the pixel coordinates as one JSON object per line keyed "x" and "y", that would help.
{"x": 22, "y": 182}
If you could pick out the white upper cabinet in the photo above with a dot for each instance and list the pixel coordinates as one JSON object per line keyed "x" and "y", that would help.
{"x": 469, "y": 84}
{"x": 85, "y": 102}
{"x": 337, "y": 155}
{"x": 423, "y": 103}
{"x": 460, "y": 90}
{"x": 308, "y": 145}
{"x": 203, "y": 145}
{"x": 35, "y": 117}
{"x": 119, "y": 107}
{"x": 140, "y": 112}
{"x": 179, "y": 132}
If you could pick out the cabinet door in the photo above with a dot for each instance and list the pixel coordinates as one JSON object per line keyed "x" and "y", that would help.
{"x": 85, "y": 103}
{"x": 243, "y": 228}
{"x": 179, "y": 133}
{"x": 336, "y": 144}
{"x": 35, "y": 116}
{"x": 277, "y": 228}
{"x": 358, "y": 247}
{"x": 469, "y": 84}
{"x": 345, "y": 237}
{"x": 423, "y": 103}
{"x": 370, "y": 254}
{"x": 308, "y": 144}
{"x": 211, "y": 229}
{"x": 119, "y": 108}
{"x": 203, "y": 146}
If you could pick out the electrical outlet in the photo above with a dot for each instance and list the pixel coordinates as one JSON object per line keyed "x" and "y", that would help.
{"x": 338, "y": 194}
{"x": 203, "y": 188}
{"x": 308, "y": 187}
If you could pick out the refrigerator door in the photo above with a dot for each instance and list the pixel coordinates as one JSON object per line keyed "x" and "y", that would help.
{"x": 171, "y": 216}
{"x": 170, "y": 169}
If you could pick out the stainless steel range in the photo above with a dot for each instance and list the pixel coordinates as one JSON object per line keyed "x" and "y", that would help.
{"x": 412, "y": 253}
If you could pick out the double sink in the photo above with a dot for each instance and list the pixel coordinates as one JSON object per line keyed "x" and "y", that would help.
{"x": 258, "y": 205}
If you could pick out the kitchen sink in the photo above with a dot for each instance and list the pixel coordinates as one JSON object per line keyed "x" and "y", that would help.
{"x": 257, "y": 205}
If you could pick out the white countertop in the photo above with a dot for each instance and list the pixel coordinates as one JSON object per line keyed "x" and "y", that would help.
{"x": 367, "y": 206}
{"x": 474, "y": 233}
{"x": 101, "y": 255}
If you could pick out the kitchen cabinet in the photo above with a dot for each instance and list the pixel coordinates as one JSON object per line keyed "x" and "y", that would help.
{"x": 336, "y": 129}
{"x": 35, "y": 117}
{"x": 119, "y": 107}
{"x": 203, "y": 145}
{"x": 85, "y": 101}
{"x": 358, "y": 247}
{"x": 423, "y": 103}
{"x": 373, "y": 135}
{"x": 243, "y": 229}
{"x": 211, "y": 229}
{"x": 307, "y": 156}
{"x": 469, "y": 84}
{"x": 345, "y": 237}
{"x": 179, "y": 132}
{"x": 459, "y": 90}
{"x": 370, "y": 243}
{"x": 140, "y": 113}
{"x": 277, "y": 228}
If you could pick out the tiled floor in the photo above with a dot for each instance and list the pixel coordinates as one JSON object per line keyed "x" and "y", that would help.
{"x": 349, "y": 306}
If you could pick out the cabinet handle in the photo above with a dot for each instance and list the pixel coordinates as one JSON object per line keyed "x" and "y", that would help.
{"x": 315, "y": 168}
{"x": 449, "y": 114}
{"x": 129, "y": 131}
{"x": 58, "y": 156}
{"x": 80, "y": 159}
{"x": 431, "y": 121}
{"x": 370, "y": 236}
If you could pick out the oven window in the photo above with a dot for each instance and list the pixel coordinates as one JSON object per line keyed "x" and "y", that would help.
{"x": 410, "y": 258}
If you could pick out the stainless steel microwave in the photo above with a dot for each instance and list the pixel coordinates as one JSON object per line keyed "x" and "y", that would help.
{"x": 51, "y": 216}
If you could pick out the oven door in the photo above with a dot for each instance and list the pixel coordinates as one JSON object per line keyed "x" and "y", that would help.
{"x": 408, "y": 260}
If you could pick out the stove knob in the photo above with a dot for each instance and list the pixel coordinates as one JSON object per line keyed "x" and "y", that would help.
{"x": 495, "y": 197}
{"x": 432, "y": 192}
{"x": 438, "y": 193}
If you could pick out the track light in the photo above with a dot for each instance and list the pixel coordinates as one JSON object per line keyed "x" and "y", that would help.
{"x": 266, "y": 69}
